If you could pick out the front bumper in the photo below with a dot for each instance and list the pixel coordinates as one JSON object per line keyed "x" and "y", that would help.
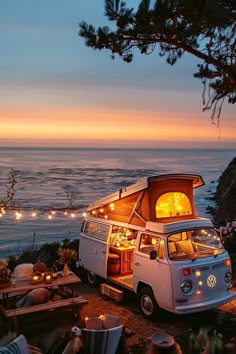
{"x": 205, "y": 305}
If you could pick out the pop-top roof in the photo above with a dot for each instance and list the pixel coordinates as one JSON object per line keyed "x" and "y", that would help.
{"x": 143, "y": 184}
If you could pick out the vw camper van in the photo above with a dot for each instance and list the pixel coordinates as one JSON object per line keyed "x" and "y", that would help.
{"x": 148, "y": 239}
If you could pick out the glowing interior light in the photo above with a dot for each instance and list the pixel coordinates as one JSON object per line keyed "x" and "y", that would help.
{"x": 101, "y": 210}
{"x": 34, "y": 213}
{"x": 197, "y": 273}
{"x": 53, "y": 212}
{"x": 173, "y": 204}
{"x": 198, "y": 292}
{"x": 65, "y": 213}
{"x": 106, "y": 217}
{"x": 72, "y": 215}
{"x": 93, "y": 212}
{"x": 200, "y": 283}
{"x": 49, "y": 216}
{"x": 84, "y": 214}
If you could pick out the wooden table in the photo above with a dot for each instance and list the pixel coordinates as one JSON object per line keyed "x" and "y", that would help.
{"x": 22, "y": 287}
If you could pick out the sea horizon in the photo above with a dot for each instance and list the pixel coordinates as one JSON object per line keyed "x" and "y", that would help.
{"x": 47, "y": 175}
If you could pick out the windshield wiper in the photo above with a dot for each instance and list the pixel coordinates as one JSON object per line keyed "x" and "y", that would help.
{"x": 200, "y": 253}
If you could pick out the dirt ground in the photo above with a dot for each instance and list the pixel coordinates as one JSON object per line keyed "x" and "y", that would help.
{"x": 223, "y": 319}
{"x": 46, "y": 328}
{"x": 42, "y": 329}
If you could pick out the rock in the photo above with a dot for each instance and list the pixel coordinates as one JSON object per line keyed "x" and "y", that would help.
{"x": 24, "y": 271}
{"x": 34, "y": 297}
{"x": 225, "y": 195}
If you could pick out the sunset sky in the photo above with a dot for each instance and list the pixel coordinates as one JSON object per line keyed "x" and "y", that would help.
{"x": 55, "y": 91}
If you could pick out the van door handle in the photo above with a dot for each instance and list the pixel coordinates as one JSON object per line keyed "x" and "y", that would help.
{"x": 137, "y": 264}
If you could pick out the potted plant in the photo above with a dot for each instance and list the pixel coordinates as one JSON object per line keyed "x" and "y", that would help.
{"x": 66, "y": 256}
{"x": 5, "y": 278}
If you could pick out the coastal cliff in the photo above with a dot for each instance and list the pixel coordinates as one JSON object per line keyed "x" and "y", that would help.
{"x": 225, "y": 195}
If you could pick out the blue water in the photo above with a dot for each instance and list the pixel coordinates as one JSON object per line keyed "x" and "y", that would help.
{"x": 53, "y": 178}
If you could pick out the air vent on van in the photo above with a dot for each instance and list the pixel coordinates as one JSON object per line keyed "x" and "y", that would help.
{"x": 218, "y": 265}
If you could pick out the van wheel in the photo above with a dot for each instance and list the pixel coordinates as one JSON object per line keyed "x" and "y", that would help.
{"x": 147, "y": 303}
{"x": 92, "y": 278}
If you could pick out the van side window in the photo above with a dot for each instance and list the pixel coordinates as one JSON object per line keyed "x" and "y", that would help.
{"x": 96, "y": 230}
{"x": 149, "y": 243}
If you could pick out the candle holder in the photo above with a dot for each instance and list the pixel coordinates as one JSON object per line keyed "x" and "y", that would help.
{"x": 36, "y": 278}
{"x": 47, "y": 278}
{"x": 54, "y": 275}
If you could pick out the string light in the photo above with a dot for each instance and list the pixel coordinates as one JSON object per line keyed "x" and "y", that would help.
{"x": 33, "y": 212}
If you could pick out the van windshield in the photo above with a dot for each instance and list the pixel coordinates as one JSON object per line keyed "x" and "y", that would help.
{"x": 193, "y": 244}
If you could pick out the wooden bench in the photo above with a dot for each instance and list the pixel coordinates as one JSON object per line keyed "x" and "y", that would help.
{"x": 74, "y": 302}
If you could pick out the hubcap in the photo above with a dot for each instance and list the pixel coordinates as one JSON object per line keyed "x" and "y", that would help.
{"x": 147, "y": 304}
{"x": 91, "y": 277}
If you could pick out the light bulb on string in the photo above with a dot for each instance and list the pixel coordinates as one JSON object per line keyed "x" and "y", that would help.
{"x": 34, "y": 213}
{"x": 18, "y": 215}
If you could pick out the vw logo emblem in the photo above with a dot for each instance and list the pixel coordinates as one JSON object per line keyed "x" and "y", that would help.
{"x": 211, "y": 281}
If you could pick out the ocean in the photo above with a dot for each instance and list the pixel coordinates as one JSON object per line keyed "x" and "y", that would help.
{"x": 49, "y": 180}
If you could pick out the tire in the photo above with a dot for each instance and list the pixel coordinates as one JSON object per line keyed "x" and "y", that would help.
{"x": 147, "y": 303}
{"x": 92, "y": 279}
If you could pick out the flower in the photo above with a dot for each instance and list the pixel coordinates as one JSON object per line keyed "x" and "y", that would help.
{"x": 228, "y": 236}
{"x": 4, "y": 271}
{"x": 228, "y": 231}
{"x": 66, "y": 255}
{"x": 3, "y": 264}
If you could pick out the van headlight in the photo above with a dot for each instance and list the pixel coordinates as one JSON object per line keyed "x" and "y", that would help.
{"x": 186, "y": 286}
{"x": 228, "y": 277}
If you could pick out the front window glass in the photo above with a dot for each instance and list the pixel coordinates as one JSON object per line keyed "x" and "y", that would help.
{"x": 196, "y": 243}
{"x": 173, "y": 204}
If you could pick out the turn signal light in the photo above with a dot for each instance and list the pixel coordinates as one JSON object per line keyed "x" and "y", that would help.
{"x": 186, "y": 271}
{"x": 227, "y": 262}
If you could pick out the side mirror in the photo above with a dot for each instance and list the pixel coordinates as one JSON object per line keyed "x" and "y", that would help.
{"x": 153, "y": 254}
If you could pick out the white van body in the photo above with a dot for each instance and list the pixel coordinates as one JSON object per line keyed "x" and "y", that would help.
{"x": 180, "y": 266}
